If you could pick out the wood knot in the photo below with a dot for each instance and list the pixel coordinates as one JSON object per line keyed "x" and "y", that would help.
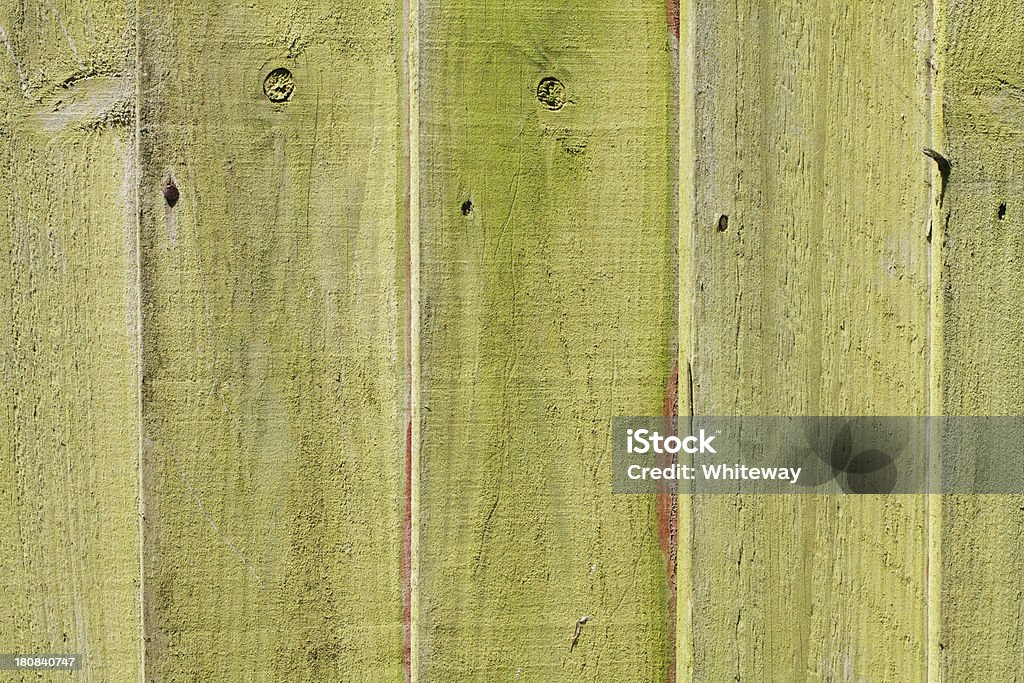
{"x": 279, "y": 85}
{"x": 551, "y": 93}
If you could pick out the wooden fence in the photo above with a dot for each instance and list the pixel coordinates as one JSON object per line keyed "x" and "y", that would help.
{"x": 316, "y": 315}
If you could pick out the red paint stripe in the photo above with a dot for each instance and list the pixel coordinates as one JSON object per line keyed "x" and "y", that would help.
{"x": 407, "y": 559}
{"x": 406, "y": 566}
{"x": 668, "y": 528}
{"x": 667, "y": 506}
{"x": 672, "y": 16}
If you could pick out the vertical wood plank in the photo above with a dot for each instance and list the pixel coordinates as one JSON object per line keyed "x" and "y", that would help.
{"x": 981, "y": 633}
{"x": 69, "y": 520}
{"x": 811, "y": 298}
{"x": 548, "y": 305}
{"x": 274, "y": 352}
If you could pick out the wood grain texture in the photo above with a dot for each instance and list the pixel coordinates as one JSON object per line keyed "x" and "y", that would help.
{"x": 273, "y": 334}
{"x": 69, "y": 524}
{"x": 548, "y": 306}
{"x": 811, "y": 299}
{"x": 982, "y": 624}
{"x": 255, "y": 396}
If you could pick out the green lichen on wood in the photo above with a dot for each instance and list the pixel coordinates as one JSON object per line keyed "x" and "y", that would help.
{"x": 69, "y": 524}
{"x": 981, "y": 636}
{"x": 547, "y": 306}
{"x": 810, "y": 299}
{"x": 273, "y": 334}
{"x": 272, "y": 421}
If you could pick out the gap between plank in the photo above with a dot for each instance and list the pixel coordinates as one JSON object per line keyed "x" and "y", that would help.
{"x": 933, "y": 400}
{"x": 410, "y": 540}
{"x": 686, "y": 118}
{"x": 135, "y": 207}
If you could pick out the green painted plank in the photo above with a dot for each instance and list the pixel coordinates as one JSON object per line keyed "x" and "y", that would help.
{"x": 547, "y": 305}
{"x": 274, "y": 399}
{"x": 981, "y": 632}
{"x": 811, "y": 298}
{"x": 69, "y": 520}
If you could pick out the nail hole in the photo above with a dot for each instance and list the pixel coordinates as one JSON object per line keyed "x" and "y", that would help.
{"x": 1002, "y": 211}
{"x": 278, "y": 85}
{"x": 467, "y": 207}
{"x": 723, "y": 223}
{"x": 171, "y": 193}
{"x": 551, "y": 93}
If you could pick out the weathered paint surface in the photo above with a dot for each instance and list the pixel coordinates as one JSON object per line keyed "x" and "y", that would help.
{"x": 273, "y": 340}
{"x": 69, "y": 526}
{"x": 282, "y": 537}
{"x": 810, "y": 298}
{"x": 981, "y": 635}
{"x": 548, "y": 305}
